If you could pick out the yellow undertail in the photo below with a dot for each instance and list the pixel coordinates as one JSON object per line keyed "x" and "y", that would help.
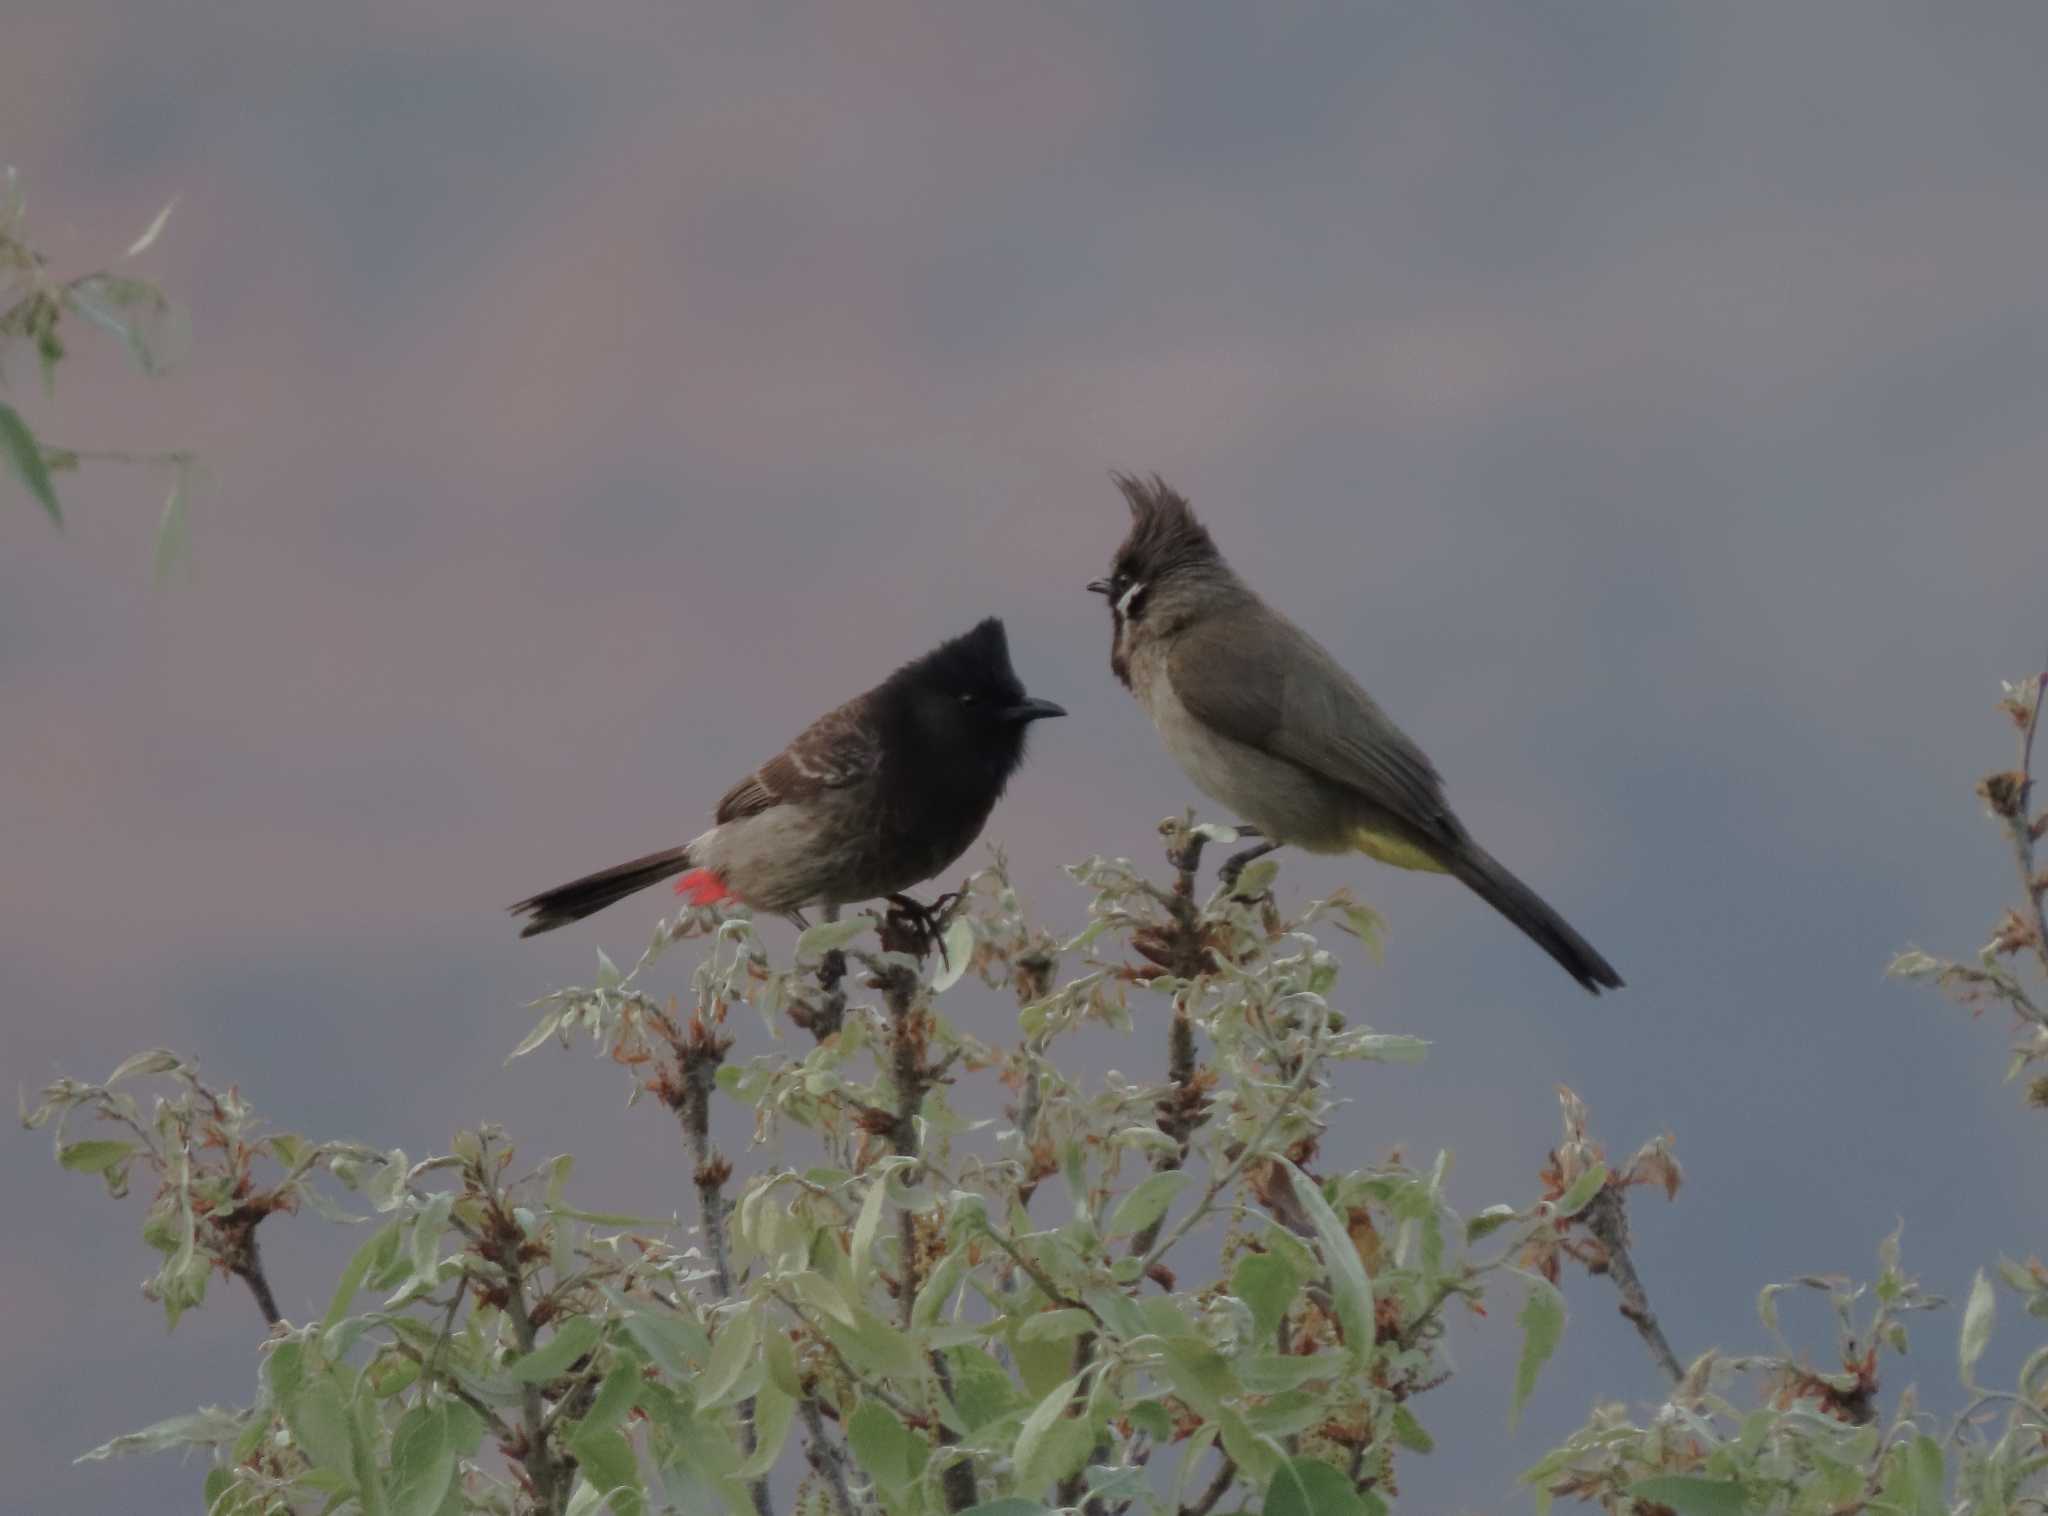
{"x": 1398, "y": 851}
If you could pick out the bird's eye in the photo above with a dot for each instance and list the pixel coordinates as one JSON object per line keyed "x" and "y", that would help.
{"x": 965, "y": 697}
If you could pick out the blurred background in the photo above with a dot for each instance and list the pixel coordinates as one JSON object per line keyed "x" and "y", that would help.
{"x": 1645, "y": 402}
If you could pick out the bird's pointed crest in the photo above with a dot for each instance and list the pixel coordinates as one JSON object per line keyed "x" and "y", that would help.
{"x": 977, "y": 660}
{"x": 1164, "y": 533}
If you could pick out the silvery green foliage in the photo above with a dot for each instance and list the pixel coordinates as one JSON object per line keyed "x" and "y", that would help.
{"x": 1806, "y": 1435}
{"x": 38, "y": 312}
{"x": 1092, "y": 1289}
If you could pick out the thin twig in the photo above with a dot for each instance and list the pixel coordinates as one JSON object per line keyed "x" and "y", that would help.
{"x": 1245, "y": 1155}
{"x": 1037, "y": 1275}
{"x": 868, "y": 1387}
{"x": 1225, "y": 1477}
{"x": 1607, "y": 1219}
{"x": 826, "y": 1458}
{"x": 1182, "y": 953}
{"x": 699, "y": 1051}
{"x": 245, "y": 1262}
{"x": 2020, "y": 826}
{"x": 549, "y": 1476}
{"x": 913, "y": 1075}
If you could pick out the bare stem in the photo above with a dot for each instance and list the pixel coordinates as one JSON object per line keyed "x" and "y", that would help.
{"x": 826, "y": 1458}
{"x": 699, "y": 1051}
{"x": 1180, "y": 950}
{"x": 2019, "y": 827}
{"x": 549, "y": 1476}
{"x": 244, "y": 1259}
{"x": 912, "y": 1074}
{"x": 1607, "y": 1219}
{"x": 1228, "y": 1177}
{"x": 1226, "y": 1476}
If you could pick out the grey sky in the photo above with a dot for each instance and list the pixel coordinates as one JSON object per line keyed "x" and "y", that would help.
{"x": 1643, "y": 400}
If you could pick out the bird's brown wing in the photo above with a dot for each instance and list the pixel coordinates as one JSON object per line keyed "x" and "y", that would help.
{"x": 1257, "y": 678}
{"x": 838, "y": 749}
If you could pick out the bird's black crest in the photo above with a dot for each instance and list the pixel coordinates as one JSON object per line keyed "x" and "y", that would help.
{"x": 1164, "y": 534}
{"x": 976, "y": 662}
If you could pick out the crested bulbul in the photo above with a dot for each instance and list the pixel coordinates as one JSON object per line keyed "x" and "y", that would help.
{"x": 873, "y": 797}
{"x": 1266, "y": 722}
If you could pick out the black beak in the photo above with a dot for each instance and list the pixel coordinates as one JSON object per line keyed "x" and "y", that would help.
{"x": 1033, "y": 710}
{"x": 1098, "y": 586}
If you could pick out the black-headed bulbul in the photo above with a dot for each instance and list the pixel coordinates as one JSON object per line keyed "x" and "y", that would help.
{"x": 874, "y": 797}
{"x": 1266, "y": 722}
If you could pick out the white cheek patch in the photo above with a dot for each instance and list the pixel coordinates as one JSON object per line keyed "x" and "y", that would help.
{"x": 1130, "y": 598}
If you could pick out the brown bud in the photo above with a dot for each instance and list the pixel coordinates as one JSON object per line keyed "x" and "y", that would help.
{"x": 2005, "y": 793}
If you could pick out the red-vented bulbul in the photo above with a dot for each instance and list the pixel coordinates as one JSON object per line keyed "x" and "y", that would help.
{"x": 874, "y": 797}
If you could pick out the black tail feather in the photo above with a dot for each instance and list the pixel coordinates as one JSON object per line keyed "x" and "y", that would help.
{"x": 593, "y": 892}
{"x": 1543, "y": 926}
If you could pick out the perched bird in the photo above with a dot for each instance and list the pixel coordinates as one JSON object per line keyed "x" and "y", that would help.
{"x": 872, "y": 798}
{"x": 1264, "y": 721}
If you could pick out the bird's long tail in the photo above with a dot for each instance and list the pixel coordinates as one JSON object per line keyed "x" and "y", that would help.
{"x": 1487, "y": 879}
{"x": 593, "y": 892}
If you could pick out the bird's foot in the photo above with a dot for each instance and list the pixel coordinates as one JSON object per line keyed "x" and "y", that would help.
{"x": 916, "y": 928}
{"x": 1234, "y": 864}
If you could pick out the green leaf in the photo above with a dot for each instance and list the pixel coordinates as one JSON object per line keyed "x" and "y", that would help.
{"x": 677, "y": 1345}
{"x": 1542, "y": 1323}
{"x": 889, "y": 1451}
{"x": 1202, "y": 1376}
{"x": 814, "y": 942}
{"x": 1257, "y": 878}
{"x": 373, "y": 1254}
{"x": 1978, "y": 1317}
{"x": 1580, "y": 1195}
{"x": 1009, "y": 1505}
{"x": 933, "y": 1294}
{"x": 1410, "y": 1433}
{"x": 1266, "y": 1283}
{"x": 137, "y": 312}
{"x": 211, "y": 1427}
{"x": 319, "y": 1420}
{"x": 1349, "y": 1286}
{"x": 982, "y": 1391}
{"x": 774, "y": 1412}
{"x": 426, "y": 1242}
{"x": 957, "y": 952}
{"x": 141, "y": 244}
{"x": 1691, "y": 1496}
{"x": 1310, "y": 1487}
{"x": 171, "y": 534}
{"x": 1147, "y": 1202}
{"x": 1055, "y": 1326}
{"x": 1393, "y": 1047}
{"x": 575, "y": 1337}
{"x": 1032, "y": 1450}
{"x": 865, "y": 1228}
{"x": 25, "y": 455}
{"x": 779, "y": 1355}
{"x": 1489, "y": 1221}
{"x": 732, "y": 1354}
{"x": 1367, "y": 925}
{"x": 362, "y": 1459}
{"x": 95, "y": 1156}
{"x": 422, "y": 1461}
{"x": 616, "y": 1396}
{"x": 542, "y": 1031}
{"x": 1152, "y": 1418}
{"x": 610, "y": 1468}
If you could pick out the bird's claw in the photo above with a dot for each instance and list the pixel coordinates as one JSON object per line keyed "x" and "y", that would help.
{"x": 1234, "y": 865}
{"x": 918, "y": 927}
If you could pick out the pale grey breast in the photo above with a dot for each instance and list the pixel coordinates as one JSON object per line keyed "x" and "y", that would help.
{"x": 1279, "y": 797}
